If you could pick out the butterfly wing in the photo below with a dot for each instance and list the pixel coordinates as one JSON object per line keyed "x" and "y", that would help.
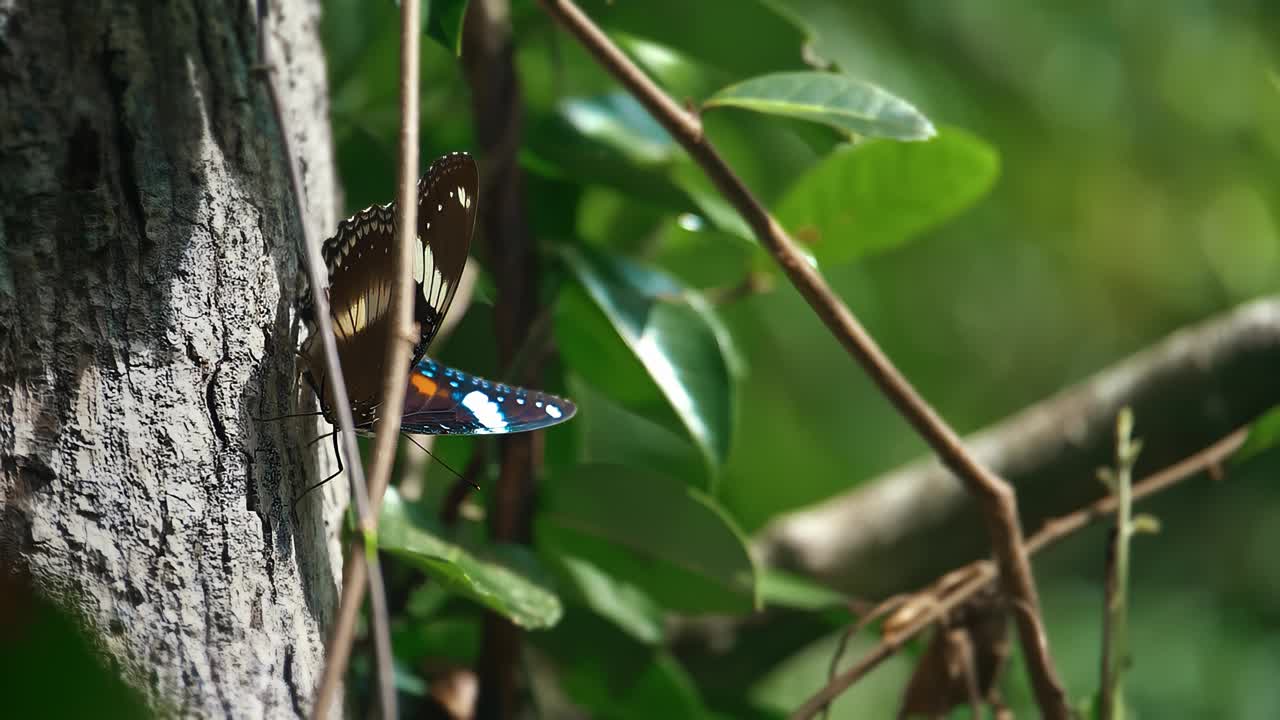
{"x": 361, "y": 264}
{"x": 446, "y": 221}
{"x": 443, "y": 401}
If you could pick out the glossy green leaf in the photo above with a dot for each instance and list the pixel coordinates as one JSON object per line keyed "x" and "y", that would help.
{"x": 852, "y": 106}
{"x": 1264, "y": 434}
{"x": 442, "y": 21}
{"x": 493, "y": 584}
{"x": 684, "y": 356}
{"x": 877, "y": 195}
{"x": 649, "y": 530}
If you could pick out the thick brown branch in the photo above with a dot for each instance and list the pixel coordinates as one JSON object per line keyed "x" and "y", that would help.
{"x": 994, "y": 494}
{"x": 1186, "y": 390}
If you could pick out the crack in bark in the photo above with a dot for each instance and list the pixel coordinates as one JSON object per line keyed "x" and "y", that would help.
{"x": 124, "y": 140}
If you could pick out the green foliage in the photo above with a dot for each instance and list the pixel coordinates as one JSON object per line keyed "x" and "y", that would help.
{"x": 874, "y": 196}
{"x": 1130, "y": 170}
{"x": 49, "y": 667}
{"x": 488, "y": 581}
{"x": 442, "y": 20}
{"x": 651, "y": 532}
{"x": 650, "y": 344}
{"x": 1264, "y": 435}
{"x": 855, "y": 108}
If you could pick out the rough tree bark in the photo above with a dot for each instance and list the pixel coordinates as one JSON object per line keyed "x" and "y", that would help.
{"x": 148, "y": 268}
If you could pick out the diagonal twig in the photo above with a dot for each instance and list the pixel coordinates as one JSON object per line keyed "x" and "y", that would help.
{"x": 370, "y": 568}
{"x": 994, "y": 494}
{"x": 400, "y": 342}
{"x": 982, "y": 572}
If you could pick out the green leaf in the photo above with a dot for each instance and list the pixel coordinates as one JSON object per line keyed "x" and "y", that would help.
{"x": 1264, "y": 434}
{"x": 854, "y": 107}
{"x": 44, "y": 647}
{"x": 608, "y": 140}
{"x": 488, "y": 582}
{"x": 612, "y": 434}
{"x": 877, "y": 195}
{"x": 671, "y": 541}
{"x": 684, "y": 356}
{"x": 750, "y": 37}
{"x": 615, "y": 599}
{"x": 783, "y": 589}
{"x": 442, "y": 21}
{"x": 619, "y": 679}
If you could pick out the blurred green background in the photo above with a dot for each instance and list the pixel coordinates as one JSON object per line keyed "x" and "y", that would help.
{"x": 1137, "y": 146}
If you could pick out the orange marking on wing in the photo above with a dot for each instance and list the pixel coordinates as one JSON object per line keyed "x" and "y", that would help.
{"x": 424, "y": 384}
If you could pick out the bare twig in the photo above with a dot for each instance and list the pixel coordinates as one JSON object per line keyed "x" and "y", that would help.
{"x": 1115, "y": 634}
{"x": 1108, "y": 620}
{"x": 400, "y": 342}
{"x": 982, "y": 572}
{"x": 359, "y": 491}
{"x": 993, "y": 493}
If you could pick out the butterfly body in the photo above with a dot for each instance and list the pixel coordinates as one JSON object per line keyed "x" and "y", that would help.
{"x": 362, "y": 263}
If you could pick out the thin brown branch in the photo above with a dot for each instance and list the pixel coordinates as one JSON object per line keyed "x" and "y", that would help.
{"x": 993, "y": 493}
{"x": 359, "y": 491}
{"x": 1109, "y": 595}
{"x": 982, "y": 573}
{"x": 400, "y": 341}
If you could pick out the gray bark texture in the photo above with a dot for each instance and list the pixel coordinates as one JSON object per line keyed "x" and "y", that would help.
{"x": 148, "y": 271}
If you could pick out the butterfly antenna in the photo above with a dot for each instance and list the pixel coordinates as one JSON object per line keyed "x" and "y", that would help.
{"x": 451, "y": 508}
{"x": 443, "y": 464}
{"x": 286, "y": 416}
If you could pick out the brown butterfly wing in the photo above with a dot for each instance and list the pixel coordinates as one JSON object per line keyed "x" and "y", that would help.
{"x": 361, "y": 262}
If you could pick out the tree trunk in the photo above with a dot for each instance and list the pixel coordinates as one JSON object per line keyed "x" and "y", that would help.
{"x": 148, "y": 271}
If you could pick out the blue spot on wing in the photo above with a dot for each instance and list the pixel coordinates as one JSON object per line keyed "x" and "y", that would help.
{"x": 470, "y": 405}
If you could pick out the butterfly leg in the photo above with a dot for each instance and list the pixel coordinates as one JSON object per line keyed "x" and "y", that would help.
{"x": 338, "y": 454}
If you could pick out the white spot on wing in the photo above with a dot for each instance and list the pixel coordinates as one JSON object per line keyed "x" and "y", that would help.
{"x": 486, "y": 411}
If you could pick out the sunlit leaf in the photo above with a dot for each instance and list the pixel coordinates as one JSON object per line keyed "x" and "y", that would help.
{"x": 852, "y": 106}
{"x": 665, "y": 328}
{"x": 498, "y": 587}
{"x": 873, "y": 196}
{"x": 649, "y": 530}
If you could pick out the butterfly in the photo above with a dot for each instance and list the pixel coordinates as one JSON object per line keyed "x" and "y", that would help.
{"x": 361, "y": 263}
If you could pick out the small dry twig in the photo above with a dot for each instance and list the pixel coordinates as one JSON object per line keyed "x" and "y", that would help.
{"x": 981, "y": 573}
